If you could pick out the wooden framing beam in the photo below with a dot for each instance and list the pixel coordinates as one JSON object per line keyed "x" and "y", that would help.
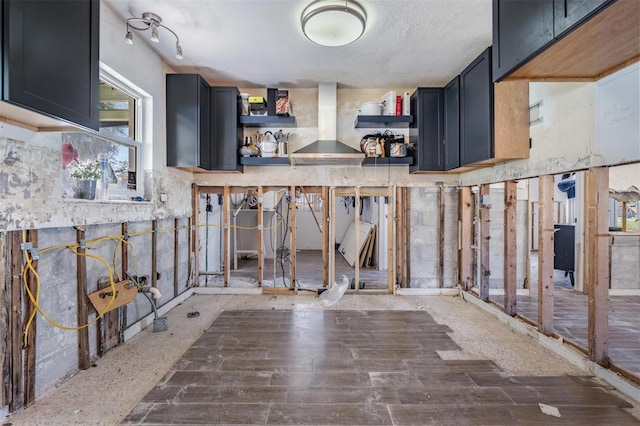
{"x": 401, "y": 237}
{"x": 260, "y": 237}
{"x": 16, "y": 401}
{"x": 485, "y": 238}
{"x": 292, "y": 234}
{"x": 226, "y": 233}
{"x": 124, "y": 268}
{"x": 545, "y": 254}
{"x": 194, "y": 255}
{"x": 391, "y": 240}
{"x": 510, "y": 246}
{"x": 5, "y": 307}
{"x": 176, "y": 257}
{"x": 325, "y": 236}
{"x": 154, "y": 253}
{"x": 84, "y": 361}
{"x": 407, "y": 235}
{"x": 356, "y": 240}
{"x": 597, "y": 262}
{"x": 332, "y": 237}
{"x": 465, "y": 238}
{"x": 441, "y": 202}
{"x": 30, "y": 350}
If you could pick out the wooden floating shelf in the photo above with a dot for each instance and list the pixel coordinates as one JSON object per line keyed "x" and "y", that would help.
{"x": 376, "y": 121}
{"x": 383, "y": 161}
{"x": 267, "y": 121}
{"x": 264, "y": 161}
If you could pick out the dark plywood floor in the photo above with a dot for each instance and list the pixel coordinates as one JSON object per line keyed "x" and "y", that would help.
{"x": 314, "y": 367}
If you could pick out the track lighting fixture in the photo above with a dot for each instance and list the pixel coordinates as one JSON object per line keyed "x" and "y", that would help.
{"x": 150, "y": 21}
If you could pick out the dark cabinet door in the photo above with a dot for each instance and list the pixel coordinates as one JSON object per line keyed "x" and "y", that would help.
{"x": 476, "y": 110}
{"x": 452, "y": 124}
{"x": 520, "y": 29}
{"x": 568, "y": 13}
{"x": 188, "y": 121}
{"x": 226, "y": 130}
{"x": 426, "y": 131}
{"x": 50, "y": 58}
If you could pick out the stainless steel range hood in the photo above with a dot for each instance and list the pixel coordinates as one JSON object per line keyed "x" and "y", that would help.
{"x": 327, "y": 150}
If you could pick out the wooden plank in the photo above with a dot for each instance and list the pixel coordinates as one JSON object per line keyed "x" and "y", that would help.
{"x": 357, "y": 243}
{"x": 407, "y": 236}
{"x": 5, "y": 323}
{"x": 597, "y": 262}
{"x": 16, "y": 401}
{"x": 369, "y": 257}
{"x": 189, "y": 253}
{"x": 441, "y": 202}
{"x": 124, "y": 268}
{"x": 400, "y": 235}
{"x": 176, "y": 255}
{"x": 624, "y": 216}
{"x": 84, "y": 361}
{"x": 545, "y": 254}
{"x": 510, "y": 246}
{"x": 194, "y": 255}
{"x": 391, "y": 238}
{"x": 226, "y": 234}
{"x": 292, "y": 229}
{"x": 101, "y": 299}
{"x": 154, "y": 253}
{"x": 611, "y": 36}
{"x": 465, "y": 213}
{"x": 108, "y": 326}
{"x": 30, "y": 350}
{"x": 325, "y": 236}
{"x": 332, "y": 237}
{"x": 485, "y": 238}
{"x": 260, "y": 236}
{"x": 511, "y": 120}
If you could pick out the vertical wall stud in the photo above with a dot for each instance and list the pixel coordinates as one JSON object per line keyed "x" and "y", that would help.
{"x": 325, "y": 236}
{"x": 260, "y": 237}
{"x": 124, "y": 268}
{"x": 5, "y": 322}
{"x": 154, "y": 253}
{"x": 465, "y": 213}
{"x": 510, "y": 246}
{"x": 17, "y": 391}
{"x": 485, "y": 236}
{"x": 292, "y": 230}
{"x": 391, "y": 240}
{"x": 597, "y": 262}
{"x": 30, "y": 350}
{"x": 194, "y": 231}
{"x": 356, "y": 240}
{"x": 84, "y": 361}
{"x": 441, "y": 199}
{"x": 226, "y": 234}
{"x": 545, "y": 255}
{"x": 176, "y": 258}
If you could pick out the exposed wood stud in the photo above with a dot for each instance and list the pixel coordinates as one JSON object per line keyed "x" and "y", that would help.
{"x": 189, "y": 253}
{"x": 545, "y": 254}
{"x": 624, "y": 216}
{"x": 226, "y": 234}
{"x": 84, "y": 361}
{"x": 176, "y": 257}
{"x": 356, "y": 240}
{"x": 260, "y": 236}
{"x": 391, "y": 239}
{"x": 194, "y": 231}
{"x": 407, "y": 235}
{"x": 30, "y": 350}
{"x": 154, "y": 253}
{"x": 5, "y": 322}
{"x": 597, "y": 263}
{"x": 16, "y": 401}
{"x": 125, "y": 269}
{"x": 485, "y": 238}
{"x": 325, "y": 236}
{"x": 332, "y": 237}
{"x": 510, "y": 246}
{"x": 292, "y": 229}
{"x": 441, "y": 199}
{"x": 465, "y": 214}
{"x": 401, "y": 243}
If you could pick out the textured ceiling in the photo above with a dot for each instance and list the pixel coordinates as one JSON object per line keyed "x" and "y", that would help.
{"x": 258, "y": 43}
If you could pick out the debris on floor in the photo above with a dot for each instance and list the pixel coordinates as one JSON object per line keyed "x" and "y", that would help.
{"x": 549, "y": 410}
{"x": 335, "y": 293}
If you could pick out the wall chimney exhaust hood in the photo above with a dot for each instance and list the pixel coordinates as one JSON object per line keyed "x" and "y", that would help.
{"x": 327, "y": 150}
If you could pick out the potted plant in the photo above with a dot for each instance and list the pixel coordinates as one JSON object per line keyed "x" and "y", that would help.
{"x": 87, "y": 174}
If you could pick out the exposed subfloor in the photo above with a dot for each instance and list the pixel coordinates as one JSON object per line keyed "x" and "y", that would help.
{"x": 504, "y": 376}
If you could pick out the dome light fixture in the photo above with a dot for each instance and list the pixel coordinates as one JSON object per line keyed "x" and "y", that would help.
{"x": 150, "y": 21}
{"x": 333, "y": 22}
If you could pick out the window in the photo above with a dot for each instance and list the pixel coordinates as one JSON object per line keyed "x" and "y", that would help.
{"x": 119, "y": 141}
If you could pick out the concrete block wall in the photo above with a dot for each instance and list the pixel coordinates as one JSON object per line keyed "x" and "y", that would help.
{"x": 625, "y": 262}
{"x": 424, "y": 237}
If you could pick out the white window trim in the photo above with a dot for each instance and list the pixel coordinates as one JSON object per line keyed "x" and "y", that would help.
{"x": 143, "y": 128}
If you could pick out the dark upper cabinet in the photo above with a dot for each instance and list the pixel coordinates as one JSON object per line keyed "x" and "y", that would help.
{"x": 452, "y": 124}
{"x": 426, "y": 131}
{"x": 226, "y": 130}
{"x": 50, "y": 58}
{"x": 476, "y": 111}
{"x": 520, "y": 29}
{"x": 188, "y": 121}
{"x": 568, "y": 13}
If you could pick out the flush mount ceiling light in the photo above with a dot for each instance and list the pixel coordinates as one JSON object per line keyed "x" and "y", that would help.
{"x": 150, "y": 21}
{"x": 333, "y": 22}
